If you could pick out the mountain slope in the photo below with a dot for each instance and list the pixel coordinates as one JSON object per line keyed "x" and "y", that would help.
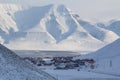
{"x": 53, "y": 27}
{"x": 113, "y": 25}
{"x": 110, "y": 51}
{"x": 107, "y": 58}
{"x": 13, "y": 67}
{"x": 99, "y": 33}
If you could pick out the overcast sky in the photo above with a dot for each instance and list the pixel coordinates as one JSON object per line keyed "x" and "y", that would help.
{"x": 95, "y": 10}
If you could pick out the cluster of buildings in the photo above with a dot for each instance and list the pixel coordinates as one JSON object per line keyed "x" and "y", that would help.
{"x": 63, "y": 62}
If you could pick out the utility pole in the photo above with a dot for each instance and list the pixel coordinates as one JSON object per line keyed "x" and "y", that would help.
{"x": 110, "y": 63}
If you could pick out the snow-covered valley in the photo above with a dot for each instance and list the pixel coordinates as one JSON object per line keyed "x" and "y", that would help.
{"x": 12, "y": 67}
{"x": 53, "y": 43}
{"x": 106, "y": 64}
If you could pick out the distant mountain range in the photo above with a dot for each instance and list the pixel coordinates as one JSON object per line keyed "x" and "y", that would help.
{"x": 52, "y": 27}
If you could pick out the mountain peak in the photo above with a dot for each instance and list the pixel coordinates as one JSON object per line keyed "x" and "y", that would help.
{"x": 62, "y": 7}
{"x": 59, "y": 7}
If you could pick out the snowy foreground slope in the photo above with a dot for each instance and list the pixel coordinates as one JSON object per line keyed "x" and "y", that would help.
{"x": 107, "y": 58}
{"x": 53, "y": 27}
{"x": 13, "y": 67}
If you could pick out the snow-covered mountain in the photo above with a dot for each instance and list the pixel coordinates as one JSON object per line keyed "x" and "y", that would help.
{"x": 113, "y": 25}
{"x": 101, "y": 34}
{"x": 12, "y": 67}
{"x": 53, "y": 27}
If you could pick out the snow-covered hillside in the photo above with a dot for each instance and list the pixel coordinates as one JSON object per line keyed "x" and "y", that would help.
{"x": 109, "y": 51}
{"x": 107, "y": 59}
{"x": 53, "y": 27}
{"x": 13, "y": 67}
